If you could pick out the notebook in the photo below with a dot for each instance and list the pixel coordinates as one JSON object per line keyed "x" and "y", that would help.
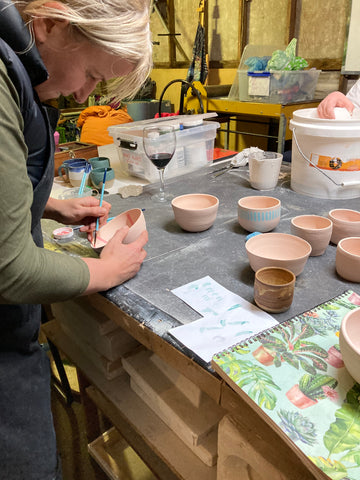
{"x": 293, "y": 376}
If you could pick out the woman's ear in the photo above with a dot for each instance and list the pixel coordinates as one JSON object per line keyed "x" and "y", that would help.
{"x": 47, "y": 28}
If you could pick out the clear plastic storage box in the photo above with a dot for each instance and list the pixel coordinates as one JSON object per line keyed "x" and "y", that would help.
{"x": 194, "y": 148}
{"x": 278, "y": 86}
{"x": 275, "y": 86}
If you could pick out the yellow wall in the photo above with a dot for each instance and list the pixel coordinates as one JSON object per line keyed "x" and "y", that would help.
{"x": 162, "y": 76}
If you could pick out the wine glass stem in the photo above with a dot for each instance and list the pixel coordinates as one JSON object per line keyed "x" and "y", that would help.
{"x": 162, "y": 184}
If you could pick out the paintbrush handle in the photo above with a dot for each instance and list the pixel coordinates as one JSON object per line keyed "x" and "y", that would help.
{"x": 101, "y": 198}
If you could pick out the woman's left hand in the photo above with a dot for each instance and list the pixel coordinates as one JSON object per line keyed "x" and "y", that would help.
{"x": 78, "y": 211}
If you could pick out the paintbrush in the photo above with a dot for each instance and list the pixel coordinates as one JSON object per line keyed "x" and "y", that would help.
{"x": 82, "y": 185}
{"x": 101, "y": 200}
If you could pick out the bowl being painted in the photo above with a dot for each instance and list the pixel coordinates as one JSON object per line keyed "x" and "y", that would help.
{"x": 195, "y": 212}
{"x": 349, "y": 340}
{"x": 347, "y": 260}
{"x": 259, "y": 214}
{"x": 346, "y": 223}
{"x": 133, "y": 218}
{"x": 278, "y": 250}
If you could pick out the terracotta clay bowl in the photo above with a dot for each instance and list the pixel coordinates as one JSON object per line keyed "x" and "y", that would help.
{"x": 346, "y": 223}
{"x": 195, "y": 212}
{"x": 347, "y": 261}
{"x": 278, "y": 250}
{"x": 259, "y": 214}
{"x": 349, "y": 340}
{"x": 133, "y": 218}
{"x": 314, "y": 229}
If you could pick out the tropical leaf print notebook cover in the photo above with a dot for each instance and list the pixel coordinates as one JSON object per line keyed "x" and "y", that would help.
{"x": 295, "y": 374}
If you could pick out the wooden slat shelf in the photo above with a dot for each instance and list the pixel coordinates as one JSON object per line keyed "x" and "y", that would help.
{"x": 158, "y": 446}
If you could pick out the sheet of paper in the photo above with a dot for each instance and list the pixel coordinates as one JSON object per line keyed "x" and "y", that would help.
{"x": 227, "y": 318}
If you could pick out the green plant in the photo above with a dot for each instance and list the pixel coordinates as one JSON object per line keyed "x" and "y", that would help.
{"x": 313, "y": 385}
{"x": 290, "y": 346}
{"x": 258, "y": 380}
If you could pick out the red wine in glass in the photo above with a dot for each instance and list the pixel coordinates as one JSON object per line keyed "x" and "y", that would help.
{"x": 160, "y": 160}
{"x": 159, "y": 143}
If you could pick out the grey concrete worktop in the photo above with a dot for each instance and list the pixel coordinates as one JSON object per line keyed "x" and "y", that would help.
{"x": 176, "y": 257}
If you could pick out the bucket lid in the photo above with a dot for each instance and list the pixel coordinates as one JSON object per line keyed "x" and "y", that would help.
{"x": 307, "y": 122}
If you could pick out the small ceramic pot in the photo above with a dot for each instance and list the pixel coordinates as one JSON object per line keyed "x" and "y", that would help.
{"x": 133, "y": 218}
{"x": 346, "y": 223}
{"x": 278, "y": 250}
{"x": 347, "y": 260}
{"x": 274, "y": 289}
{"x": 264, "y": 169}
{"x": 97, "y": 176}
{"x": 259, "y": 214}
{"x": 195, "y": 212}
{"x": 349, "y": 340}
{"x": 314, "y": 229}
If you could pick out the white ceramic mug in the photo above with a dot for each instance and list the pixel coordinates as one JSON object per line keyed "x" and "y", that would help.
{"x": 76, "y": 172}
{"x": 264, "y": 169}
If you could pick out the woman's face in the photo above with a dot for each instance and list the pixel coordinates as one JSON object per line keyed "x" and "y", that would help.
{"x": 74, "y": 66}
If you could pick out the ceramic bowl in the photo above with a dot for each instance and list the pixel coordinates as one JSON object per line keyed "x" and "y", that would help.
{"x": 259, "y": 214}
{"x": 195, "y": 212}
{"x": 347, "y": 259}
{"x": 346, "y": 223}
{"x": 133, "y": 218}
{"x": 314, "y": 229}
{"x": 278, "y": 250}
{"x": 349, "y": 340}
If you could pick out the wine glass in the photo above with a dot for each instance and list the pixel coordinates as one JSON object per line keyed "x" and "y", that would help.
{"x": 159, "y": 145}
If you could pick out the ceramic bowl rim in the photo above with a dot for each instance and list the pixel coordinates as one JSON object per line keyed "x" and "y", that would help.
{"x": 343, "y": 330}
{"x": 340, "y": 220}
{"x": 257, "y": 238}
{"x": 273, "y": 267}
{"x": 140, "y": 212}
{"x": 346, "y": 252}
{"x": 212, "y": 197}
{"x": 245, "y": 207}
{"x": 292, "y": 221}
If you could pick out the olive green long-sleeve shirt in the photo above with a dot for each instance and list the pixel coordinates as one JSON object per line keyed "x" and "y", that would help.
{"x": 28, "y": 274}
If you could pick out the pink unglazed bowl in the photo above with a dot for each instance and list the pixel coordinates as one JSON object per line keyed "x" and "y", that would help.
{"x": 314, "y": 229}
{"x": 195, "y": 212}
{"x": 278, "y": 250}
{"x": 346, "y": 223}
{"x": 349, "y": 340}
{"x": 347, "y": 260}
{"x": 133, "y": 218}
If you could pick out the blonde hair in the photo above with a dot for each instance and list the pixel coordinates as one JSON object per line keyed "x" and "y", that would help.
{"x": 120, "y": 27}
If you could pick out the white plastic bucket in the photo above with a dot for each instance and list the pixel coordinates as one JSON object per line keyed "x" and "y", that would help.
{"x": 325, "y": 161}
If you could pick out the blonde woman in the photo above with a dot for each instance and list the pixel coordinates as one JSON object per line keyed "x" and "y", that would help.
{"x": 47, "y": 49}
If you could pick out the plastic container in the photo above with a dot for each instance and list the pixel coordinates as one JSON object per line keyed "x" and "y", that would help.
{"x": 325, "y": 159}
{"x": 194, "y": 149}
{"x": 278, "y": 86}
{"x": 272, "y": 87}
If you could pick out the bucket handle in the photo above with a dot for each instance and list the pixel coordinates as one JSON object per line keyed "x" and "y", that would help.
{"x": 342, "y": 184}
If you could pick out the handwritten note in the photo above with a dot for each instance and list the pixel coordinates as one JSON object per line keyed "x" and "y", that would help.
{"x": 226, "y": 318}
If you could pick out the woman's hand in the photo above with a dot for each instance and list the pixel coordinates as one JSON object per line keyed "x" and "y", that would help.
{"x": 334, "y": 99}
{"x": 78, "y": 211}
{"x": 118, "y": 262}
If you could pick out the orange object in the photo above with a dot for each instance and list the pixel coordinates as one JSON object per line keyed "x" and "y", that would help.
{"x": 333, "y": 163}
{"x": 94, "y": 122}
